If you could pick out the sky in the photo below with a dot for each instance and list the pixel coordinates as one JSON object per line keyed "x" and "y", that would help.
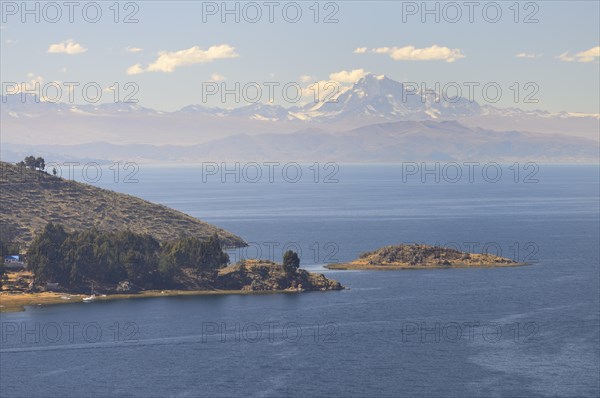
{"x": 173, "y": 53}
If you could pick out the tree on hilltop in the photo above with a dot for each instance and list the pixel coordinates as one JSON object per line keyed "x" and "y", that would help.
{"x": 33, "y": 163}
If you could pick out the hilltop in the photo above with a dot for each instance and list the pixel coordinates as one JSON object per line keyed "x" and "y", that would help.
{"x": 415, "y": 256}
{"x": 29, "y": 199}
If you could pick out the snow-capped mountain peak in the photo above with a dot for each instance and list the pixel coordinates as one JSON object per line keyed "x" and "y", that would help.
{"x": 371, "y": 99}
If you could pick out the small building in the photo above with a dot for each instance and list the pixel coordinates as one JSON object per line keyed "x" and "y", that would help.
{"x": 14, "y": 262}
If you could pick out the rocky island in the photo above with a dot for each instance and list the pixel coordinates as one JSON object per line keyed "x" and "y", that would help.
{"x": 418, "y": 256}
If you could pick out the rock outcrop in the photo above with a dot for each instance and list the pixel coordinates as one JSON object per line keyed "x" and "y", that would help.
{"x": 263, "y": 275}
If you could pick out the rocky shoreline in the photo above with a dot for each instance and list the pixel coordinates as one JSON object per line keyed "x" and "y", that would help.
{"x": 245, "y": 277}
{"x": 263, "y": 275}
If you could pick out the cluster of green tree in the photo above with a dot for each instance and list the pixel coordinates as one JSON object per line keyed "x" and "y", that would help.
{"x": 33, "y": 163}
{"x": 73, "y": 259}
{"x": 205, "y": 257}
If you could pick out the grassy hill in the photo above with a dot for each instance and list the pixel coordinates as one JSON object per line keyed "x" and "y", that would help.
{"x": 30, "y": 199}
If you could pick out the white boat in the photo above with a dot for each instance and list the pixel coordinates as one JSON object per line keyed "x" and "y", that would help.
{"x": 90, "y": 298}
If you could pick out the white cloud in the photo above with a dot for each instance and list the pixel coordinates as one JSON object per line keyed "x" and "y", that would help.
{"x": 34, "y": 87}
{"x": 167, "y": 61}
{"x": 528, "y": 55}
{"x": 135, "y": 69}
{"x": 591, "y": 55}
{"x": 67, "y": 47}
{"x": 345, "y": 76}
{"x": 360, "y": 50}
{"x": 329, "y": 90}
{"x": 566, "y": 57}
{"x": 411, "y": 53}
{"x": 322, "y": 90}
{"x": 133, "y": 49}
{"x": 33, "y": 84}
{"x": 215, "y": 77}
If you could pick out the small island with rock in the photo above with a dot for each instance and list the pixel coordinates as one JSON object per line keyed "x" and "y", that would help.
{"x": 418, "y": 256}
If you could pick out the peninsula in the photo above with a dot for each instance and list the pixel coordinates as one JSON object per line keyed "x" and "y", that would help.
{"x": 77, "y": 241}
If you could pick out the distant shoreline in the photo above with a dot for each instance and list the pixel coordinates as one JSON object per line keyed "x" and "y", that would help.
{"x": 11, "y": 302}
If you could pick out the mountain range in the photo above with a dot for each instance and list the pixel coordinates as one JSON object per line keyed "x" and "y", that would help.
{"x": 374, "y": 120}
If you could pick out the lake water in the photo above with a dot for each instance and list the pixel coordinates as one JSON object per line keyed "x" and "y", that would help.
{"x": 528, "y": 331}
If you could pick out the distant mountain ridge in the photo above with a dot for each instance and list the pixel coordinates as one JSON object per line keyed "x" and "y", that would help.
{"x": 391, "y": 142}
